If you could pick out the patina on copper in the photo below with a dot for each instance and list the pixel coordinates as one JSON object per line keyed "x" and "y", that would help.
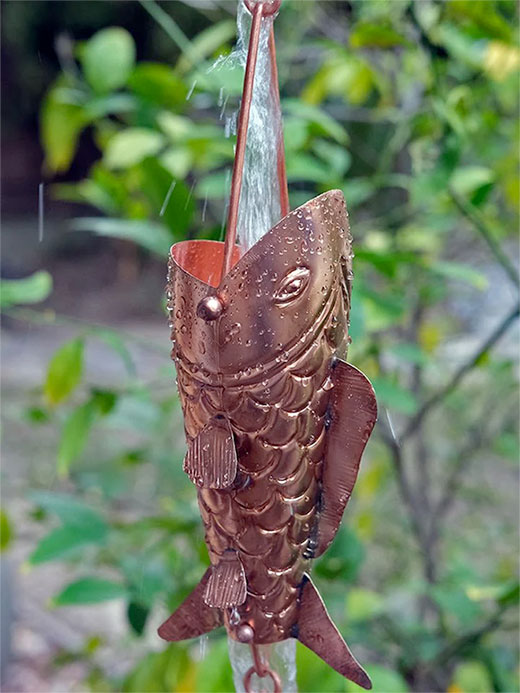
{"x": 267, "y": 378}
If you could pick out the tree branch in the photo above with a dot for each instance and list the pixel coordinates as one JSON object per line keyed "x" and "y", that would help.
{"x": 461, "y": 372}
{"x": 473, "y": 215}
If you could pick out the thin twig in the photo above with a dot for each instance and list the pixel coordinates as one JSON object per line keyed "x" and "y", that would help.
{"x": 473, "y": 215}
{"x": 461, "y": 372}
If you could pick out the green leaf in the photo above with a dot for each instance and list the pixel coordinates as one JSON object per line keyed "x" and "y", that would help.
{"x": 131, "y": 146}
{"x": 467, "y": 179}
{"x": 148, "y": 234}
{"x": 65, "y": 540}
{"x": 323, "y": 123}
{"x": 411, "y": 353}
{"x": 117, "y": 343}
{"x": 383, "y": 681}
{"x": 207, "y": 42}
{"x": 393, "y": 396}
{"x": 108, "y": 58}
{"x": 170, "y": 199}
{"x": 472, "y": 677}
{"x": 363, "y": 604}
{"x": 343, "y": 559}
{"x": 31, "y": 289}
{"x": 375, "y": 35}
{"x": 456, "y": 270}
{"x": 335, "y": 156}
{"x": 60, "y": 126}
{"x": 306, "y": 167}
{"x": 158, "y": 84}
{"x": 357, "y": 191}
{"x": 453, "y": 600}
{"x": 90, "y": 591}
{"x": 64, "y": 371}
{"x": 74, "y": 436}
{"x": 214, "y": 186}
{"x": 137, "y": 615}
{"x": 6, "y": 532}
{"x": 70, "y": 511}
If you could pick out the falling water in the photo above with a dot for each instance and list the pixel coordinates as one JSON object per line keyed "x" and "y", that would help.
{"x": 259, "y": 210}
{"x": 259, "y": 206}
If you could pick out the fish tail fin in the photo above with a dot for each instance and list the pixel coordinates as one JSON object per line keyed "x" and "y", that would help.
{"x": 193, "y": 617}
{"x": 316, "y": 631}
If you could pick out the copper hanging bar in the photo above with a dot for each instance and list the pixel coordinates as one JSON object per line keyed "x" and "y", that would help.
{"x": 243, "y": 122}
{"x": 259, "y": 9}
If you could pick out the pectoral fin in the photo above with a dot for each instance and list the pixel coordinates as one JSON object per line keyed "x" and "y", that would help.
{"x": 227, "y": 585}
{"x": 193, "y": 617}
{"x": 353, "y": 413}
{"x": 316, "y": 631}
{"x": 211, "y": 460}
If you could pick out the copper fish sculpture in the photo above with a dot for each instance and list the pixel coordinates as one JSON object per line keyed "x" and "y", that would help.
{"x": 276, "y": 423}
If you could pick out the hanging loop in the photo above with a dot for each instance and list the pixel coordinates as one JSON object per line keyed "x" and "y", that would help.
{"x": 269, "y": 8}
{"x": 262, "y": 670}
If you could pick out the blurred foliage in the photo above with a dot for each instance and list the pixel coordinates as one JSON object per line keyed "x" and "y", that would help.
{"x": 410, "y": 108}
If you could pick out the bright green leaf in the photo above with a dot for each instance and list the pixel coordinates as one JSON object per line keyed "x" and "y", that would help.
{"x": 31, "y": 289}
{"x": 60, "y": 126}
{"x": 158, "y": 84}
{"x": 363, "y": 604}
{"x": 131, "y": 146}
{"x": 64, "y": 371}
{"x": 74, "y": 436}
{"x": 375, "y": 35}
{"x": 472, "y": 677}
{"x": 465, "y": 180}
{"x": 108, "y": 58}
{"x": 148, "y": 234}
{"x": 90, "y": 591}
{"x": 383, "y": 681}
{"x": 6, "y": 532}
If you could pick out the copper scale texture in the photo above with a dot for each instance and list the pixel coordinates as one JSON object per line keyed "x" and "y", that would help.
{"x": 275, "y": 421}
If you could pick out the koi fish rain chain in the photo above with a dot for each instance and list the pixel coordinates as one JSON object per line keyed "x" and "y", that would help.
{"x": 276, "y": 421}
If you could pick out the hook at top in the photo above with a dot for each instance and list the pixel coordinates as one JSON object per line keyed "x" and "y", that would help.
{"x": 269, "y": 7}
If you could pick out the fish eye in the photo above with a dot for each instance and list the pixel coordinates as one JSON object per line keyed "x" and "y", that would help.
{"x": 292, "y": 285}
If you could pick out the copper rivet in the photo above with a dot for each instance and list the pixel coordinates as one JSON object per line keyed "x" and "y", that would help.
{"x": 210, "y": 308}
{"x": 245, "y": 633}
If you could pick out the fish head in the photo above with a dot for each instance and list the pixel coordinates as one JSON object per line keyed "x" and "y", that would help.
{"x": 279, "y": 296}
{"x": 292, "y": 284}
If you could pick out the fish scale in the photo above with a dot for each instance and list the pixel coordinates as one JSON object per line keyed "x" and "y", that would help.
{"x": 275, "y": 423}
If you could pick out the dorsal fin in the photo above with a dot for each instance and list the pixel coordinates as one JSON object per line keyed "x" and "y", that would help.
{"x": 353, "y": 413}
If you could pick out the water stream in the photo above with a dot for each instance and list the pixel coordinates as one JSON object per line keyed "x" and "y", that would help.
{"x": 259, "y": 211}
{"x": 259, "y": 206}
